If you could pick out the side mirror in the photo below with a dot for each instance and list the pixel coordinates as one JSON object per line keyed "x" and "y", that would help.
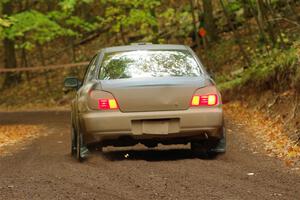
{"x": 72, "y": 83}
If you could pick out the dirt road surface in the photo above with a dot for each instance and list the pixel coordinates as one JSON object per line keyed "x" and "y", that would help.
{"x": 44, "y": 169}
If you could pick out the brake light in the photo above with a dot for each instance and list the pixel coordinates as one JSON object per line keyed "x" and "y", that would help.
{"x": 204, "y": 100}
{"x": 107, "y": 104}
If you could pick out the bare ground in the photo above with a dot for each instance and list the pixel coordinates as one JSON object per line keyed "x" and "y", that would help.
{"x": 45, "y": 169}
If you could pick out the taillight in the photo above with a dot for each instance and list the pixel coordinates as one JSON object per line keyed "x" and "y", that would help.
{"x": 107, "y": 104}
{"x": 205, "y": 100}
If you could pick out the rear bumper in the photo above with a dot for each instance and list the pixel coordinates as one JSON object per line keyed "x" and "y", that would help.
{"x": 207, "y": 121}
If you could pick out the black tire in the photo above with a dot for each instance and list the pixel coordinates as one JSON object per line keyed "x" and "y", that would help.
{"x": 220, "y": 146}
{"x": 79, "y": 156}
{"x": 73, "y": 142}
{"x": 201, "y": 148}
{"x": 209, "y": 148}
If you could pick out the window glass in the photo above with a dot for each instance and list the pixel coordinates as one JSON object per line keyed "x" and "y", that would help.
{"x": 148, "y": 63}
{"x": 91, "y": 70}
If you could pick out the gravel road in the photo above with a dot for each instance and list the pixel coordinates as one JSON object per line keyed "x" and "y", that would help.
{"x": 44, "y": 169}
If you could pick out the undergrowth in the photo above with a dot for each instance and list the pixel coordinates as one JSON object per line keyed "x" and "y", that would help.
{"x": 276, "y": 69}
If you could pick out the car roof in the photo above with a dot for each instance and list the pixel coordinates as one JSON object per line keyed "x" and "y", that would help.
{"x": 144, "y": 46}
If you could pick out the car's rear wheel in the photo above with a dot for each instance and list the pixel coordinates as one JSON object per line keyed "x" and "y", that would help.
{"x": 73, "y": 142}
{"x": 79, "y": 147}
{"x": 220, "y": 146}
{"x": 210, "y": 147}
{"x": 81, "y": 150}
{"x": 201, "y": 148}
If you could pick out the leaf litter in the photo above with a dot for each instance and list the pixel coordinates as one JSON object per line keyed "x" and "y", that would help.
{"x": 269, "y": 131}
{"x": 11, "y": 135}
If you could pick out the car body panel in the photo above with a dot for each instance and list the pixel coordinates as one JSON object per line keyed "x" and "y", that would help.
{"x": 154, "y": 94}
{"x": 144, "y": 47}
{"x": 191, "y": 122}
{"x": 149, "y": 108}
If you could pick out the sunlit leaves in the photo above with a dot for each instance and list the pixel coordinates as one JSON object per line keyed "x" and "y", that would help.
{"x": 233, "y": 6}
{"x": 35, "y": 26}
{"x": 131, "y": 18}
{"x": 169, "y": 15}
{"x": 29, "y": 27}
{"x": 180, "y": 18}
{"x": 131, "y": 15}
{"x": 77, "y": 22}
{"x": 68, "y": 5}
{"x": 139, "y": 16}
{"x": 185, "y": 21}
{"x": 4, "y": 22}
{"x": 147, "y": 4}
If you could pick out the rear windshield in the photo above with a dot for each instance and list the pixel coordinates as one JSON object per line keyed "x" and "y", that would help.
{"x": 148, "y": 63}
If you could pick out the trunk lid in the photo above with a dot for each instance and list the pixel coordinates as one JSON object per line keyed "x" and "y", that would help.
{"x": 154, "y": 94}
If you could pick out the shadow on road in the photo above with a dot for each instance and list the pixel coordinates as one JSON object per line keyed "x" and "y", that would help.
{"x": 154, "y": 155}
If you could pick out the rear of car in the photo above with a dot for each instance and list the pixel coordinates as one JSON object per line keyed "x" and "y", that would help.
{"x": 150, "y": 94}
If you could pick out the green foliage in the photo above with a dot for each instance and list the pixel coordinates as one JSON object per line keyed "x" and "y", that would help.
{"x": 232, "y": 84}
{"x": 69, "y": 5}
{"x": 185, "y": 22}
{"x": 147, "y": 4}
{"x": 79, "y": 23}
{"x": 275, "y": 69}
{"x": 233, "y": 6}
{"x": 75, "y": 23}
{"x": 57, "y": 15}
{"x": 181, "y": 19}
{"x": 143, "y": 19}
{"x": 35, "y": 27}
{"x": 157, "y": 21}
{"x": 4, "y": 22}
{"x": 68, "y": 19}
{"x": 131, "y": 15}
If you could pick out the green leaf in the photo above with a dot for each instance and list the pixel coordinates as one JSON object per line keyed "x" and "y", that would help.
{"x": 35, "y": 27}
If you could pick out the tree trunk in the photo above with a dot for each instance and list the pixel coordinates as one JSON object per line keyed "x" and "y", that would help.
{"x": 155, "y": 30}
{"x": 195, "y": 24}
{"x": 264, "y": 21}
{"x": 122, "y": 34}
{"x": 275, "y": 27}
{"x": 259, "y": 25}
{"x": 236, "y": 35}
{"x": 43, "y": 62}
{"x": 291, "y": 5}
{"x": 10, "y": 60}
{"x": 209, "y": 22}
{"x": 247, "y": 14}
{"x": 260, "y": 17}
{"x": 24, "y": 61}
{"x": 247, "y": 9}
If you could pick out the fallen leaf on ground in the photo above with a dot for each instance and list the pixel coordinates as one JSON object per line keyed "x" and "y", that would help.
{"x": 269, "y": 131}
{"x": 13, "y": 134}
